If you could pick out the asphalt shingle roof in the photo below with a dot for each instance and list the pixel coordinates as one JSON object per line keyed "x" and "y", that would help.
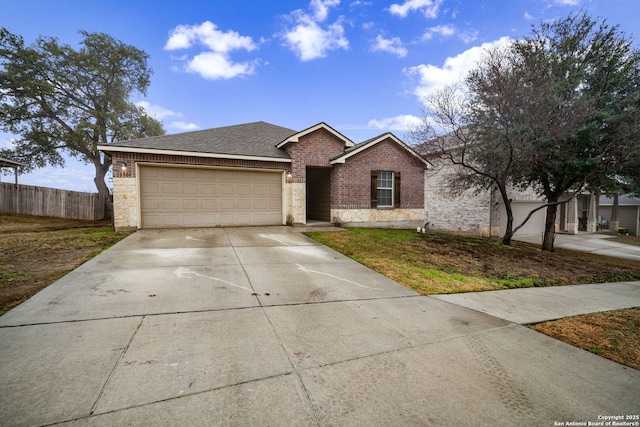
{"x": 258, "y": 139}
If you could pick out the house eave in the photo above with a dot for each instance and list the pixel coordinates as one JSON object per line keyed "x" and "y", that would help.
{"x": 115, "y": 149}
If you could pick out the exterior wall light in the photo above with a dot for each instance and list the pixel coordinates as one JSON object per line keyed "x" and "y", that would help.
{"x": 289, "y": 176}
{"x": 124, "y": 166}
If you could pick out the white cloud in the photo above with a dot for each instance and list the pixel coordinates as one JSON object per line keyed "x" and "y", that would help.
{"x": 215, "y": 65}
{"x": 468, "y": 36}
{"x": 393, "y": 45}
{"x": 159, "y": 112}
{"x": 449, "y": 30}
{"x": 428, "y": 7}
{"x": 308, "y": 39}
{"x": 404, "y": 122}
{"x": 208, "y": 34}
{"x": 321, "y": 8}
{"x": 215, "y": 62}
{"x": 567, "y": 2}
{"x": 431, "y": 77}
{"x": 528, "y": 16}
{"x": 442, "y": 30}
{"x": 183, "y": 126}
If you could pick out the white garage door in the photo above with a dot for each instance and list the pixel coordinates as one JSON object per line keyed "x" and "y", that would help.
{"x": 173, "y": 197}
{"x": 535, "y": 224}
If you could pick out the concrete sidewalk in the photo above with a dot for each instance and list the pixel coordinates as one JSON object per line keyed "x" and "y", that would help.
{"x": 600, "y": 244}
{"x": 533, "y": 305}
{"x": 263, "y": 326}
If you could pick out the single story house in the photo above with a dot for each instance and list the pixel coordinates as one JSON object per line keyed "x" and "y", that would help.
{"x": 263, "y": 174}
{"x": 628, "y": 212}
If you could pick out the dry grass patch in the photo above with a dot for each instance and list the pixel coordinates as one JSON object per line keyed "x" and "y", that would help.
{"x": 37, "y": 251}
{"x": 614, "y": 335}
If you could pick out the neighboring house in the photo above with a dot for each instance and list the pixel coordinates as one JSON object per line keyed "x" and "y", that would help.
{"x": 263, "y": 174}
{"x": 628, "y": 212}
{"x": 483, "y": 212}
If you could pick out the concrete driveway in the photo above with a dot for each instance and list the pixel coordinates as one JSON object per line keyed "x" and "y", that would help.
{"x": 595, "y": 243}
{"x": 263, "y": 326}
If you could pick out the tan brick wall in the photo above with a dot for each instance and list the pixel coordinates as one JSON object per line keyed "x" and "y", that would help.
{"x": 451, "y": 210}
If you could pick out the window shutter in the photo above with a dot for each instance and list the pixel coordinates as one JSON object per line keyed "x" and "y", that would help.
{"x": 374, "y": 189}
{"x": 396, "y": 189}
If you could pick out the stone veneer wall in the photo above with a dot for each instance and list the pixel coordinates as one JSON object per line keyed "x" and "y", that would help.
{"x": 125, "y": 203}
{"x": 399, "y": 218}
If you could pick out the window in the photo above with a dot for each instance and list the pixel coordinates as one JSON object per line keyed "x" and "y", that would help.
{"x": 385, "y": 189}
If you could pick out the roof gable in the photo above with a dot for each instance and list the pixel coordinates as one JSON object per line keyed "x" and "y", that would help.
{"x": 342, "y": 157}
{"x": 322, "y": 125}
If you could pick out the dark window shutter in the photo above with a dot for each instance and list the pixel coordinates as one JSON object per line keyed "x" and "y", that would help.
{"x": 374, "y": 189}
{"x": 396, "y": 189}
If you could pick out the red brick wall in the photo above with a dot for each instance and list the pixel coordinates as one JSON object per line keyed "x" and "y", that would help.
{"x": 313, "y": 149}
{"x": 351, "y": 181}
{"x": 132, "y": 158}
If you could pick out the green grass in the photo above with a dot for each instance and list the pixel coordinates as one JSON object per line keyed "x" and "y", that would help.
{"x": 441, "y": 262}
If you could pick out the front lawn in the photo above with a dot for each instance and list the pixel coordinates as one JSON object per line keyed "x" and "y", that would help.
{"x": 441, "y": 263}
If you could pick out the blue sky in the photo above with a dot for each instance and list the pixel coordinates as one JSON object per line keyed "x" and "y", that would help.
{"x": 361, "y": 66}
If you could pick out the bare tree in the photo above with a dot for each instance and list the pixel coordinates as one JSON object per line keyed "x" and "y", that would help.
{"x": 553, "y": 112}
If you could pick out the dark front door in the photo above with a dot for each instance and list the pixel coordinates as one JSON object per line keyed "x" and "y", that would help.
{"x": 319, "y": 193}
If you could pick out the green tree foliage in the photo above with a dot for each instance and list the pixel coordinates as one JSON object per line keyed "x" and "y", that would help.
{"x": 58, "y": 100}
{"x": 556, "y": 111}
{"x": 594, "y": 69}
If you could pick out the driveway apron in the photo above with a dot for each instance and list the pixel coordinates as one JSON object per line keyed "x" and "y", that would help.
{"x": 264, "y": 326}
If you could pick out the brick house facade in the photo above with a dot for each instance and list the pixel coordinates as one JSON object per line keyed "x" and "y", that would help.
{"x": 483, "y": 212}
{"x": 319, "y": 174}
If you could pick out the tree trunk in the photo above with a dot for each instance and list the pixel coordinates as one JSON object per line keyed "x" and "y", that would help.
{"x": 508, "y": 233}
{"x": 550, "y": 226}
{"x": 101, "y": 185}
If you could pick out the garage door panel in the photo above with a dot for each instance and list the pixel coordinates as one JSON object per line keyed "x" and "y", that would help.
{"x": 260, "y": 204}
{"x": 244, "y": 189}
{"x": 190, "y": 188}
{"x": 196, "y": 197}
{"x": 520, "y": 210}
{"x": 190, "y": 204}
{"x": 150, "y": 187}
{"x": 170, "y": 188}
{"x": 209, "y": 204}
{"x": 244, "y": 204}
{"x": 190, "y": 220}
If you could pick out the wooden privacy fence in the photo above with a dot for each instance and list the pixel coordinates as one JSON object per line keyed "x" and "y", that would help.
{"x": 42, "y": 201}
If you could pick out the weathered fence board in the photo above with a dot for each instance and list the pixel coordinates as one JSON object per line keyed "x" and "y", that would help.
{"x": 42, "y": 201}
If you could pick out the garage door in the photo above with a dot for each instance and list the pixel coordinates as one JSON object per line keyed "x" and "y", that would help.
{"x": 535, "y": 224}
{"x": 173, "y": 197}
